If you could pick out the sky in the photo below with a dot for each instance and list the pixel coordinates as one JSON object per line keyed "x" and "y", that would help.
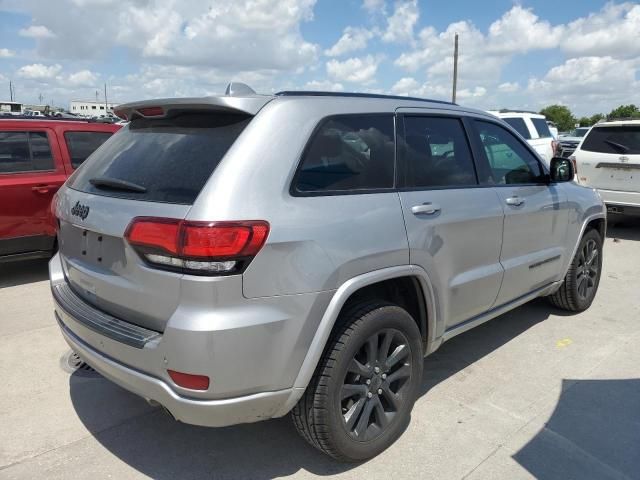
{"x": 526, "y": 54}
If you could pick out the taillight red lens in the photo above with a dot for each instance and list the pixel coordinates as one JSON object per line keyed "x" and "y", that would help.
{"x": 151, "y": 111}
{"x": 190, "y": 381}
{"x": 205, "y": 247}
{"x": 155, "y": 233}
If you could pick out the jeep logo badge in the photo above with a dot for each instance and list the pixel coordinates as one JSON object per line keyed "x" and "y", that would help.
{"x": 80, "y": 210}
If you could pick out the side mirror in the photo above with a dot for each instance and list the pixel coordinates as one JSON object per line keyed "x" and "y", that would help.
{"x": 561, "y": 170}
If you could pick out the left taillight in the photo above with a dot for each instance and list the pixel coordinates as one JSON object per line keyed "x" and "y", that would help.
{"x": 202, "y": 248}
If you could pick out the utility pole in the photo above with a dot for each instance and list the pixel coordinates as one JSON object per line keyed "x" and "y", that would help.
{"x": 40, "y": 97}
{"x": 106, "y": 104}
{"x": 455, "y": 70}
{"x": 96, "y": 96}
{"x": 10, "y": 91}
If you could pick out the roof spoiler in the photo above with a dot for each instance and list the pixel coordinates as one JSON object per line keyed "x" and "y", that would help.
{"x": 248, "y": 105}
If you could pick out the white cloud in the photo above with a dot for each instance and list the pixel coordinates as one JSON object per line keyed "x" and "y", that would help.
{"x": 509, "y": 87}
{"x": 373, "y": 6}
{"x": 6, "y": 53}
{"x": 613, "y": 31}
{"x": 401, "y": 23}
{"x": 324, "y": 86}
{"x": 405, "y": 86}
{"x": 588, "y": 84}
{"x": 520, "y": 30}
{"x": 84, "y": 78}
{"x": 351, "y": 40}
{"x": 355, "y": 70}
{"x": 36, "y": 31}
{"x": 38, "y": 71}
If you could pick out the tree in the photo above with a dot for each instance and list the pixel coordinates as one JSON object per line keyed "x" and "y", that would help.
{"x": 625, "y": 111}
{"x": 561, "y": 116}
{"x": 596, "y": 118}
{"x": 584, "y": 121}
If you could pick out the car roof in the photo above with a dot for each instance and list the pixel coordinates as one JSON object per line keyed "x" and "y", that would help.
{"x": 251, "y": 104}
{"x": 623, "y": 121}
{"x": 40, "y": 122}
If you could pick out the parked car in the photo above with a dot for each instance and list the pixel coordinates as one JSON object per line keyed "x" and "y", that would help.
{"x": 273, "y": 254}
{"x": 534, "y": 129}
{"x": 36, "y": 157}
{"x": 569, "y": 142}
{"x": 608, "y": 159}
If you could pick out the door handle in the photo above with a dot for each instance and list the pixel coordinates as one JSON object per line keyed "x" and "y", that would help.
{"x": 515, "y": 201}
{"x": 44, "y": 188}
{"x": 425, "y": 209}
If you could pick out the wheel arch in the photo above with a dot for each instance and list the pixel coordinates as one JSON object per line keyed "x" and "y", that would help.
{"x": 349, "y": 290}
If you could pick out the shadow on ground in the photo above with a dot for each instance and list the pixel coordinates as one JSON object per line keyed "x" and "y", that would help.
{"x": 162, "y": 448}
{"x": 628, "y": 229}
{"x": 22, "y": 272}
{"x": 594, "y": 433}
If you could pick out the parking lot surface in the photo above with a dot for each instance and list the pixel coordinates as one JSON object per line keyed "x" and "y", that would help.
{"x": 535, "y": 393}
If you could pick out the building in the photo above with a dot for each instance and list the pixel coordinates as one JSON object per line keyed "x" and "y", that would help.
{"x": 10, "y": 108}
{"x": 90, "y": 108}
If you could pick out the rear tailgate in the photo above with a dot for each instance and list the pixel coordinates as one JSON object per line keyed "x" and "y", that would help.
{"x": 609, "y": 158}
{"x": 153, "y": 167}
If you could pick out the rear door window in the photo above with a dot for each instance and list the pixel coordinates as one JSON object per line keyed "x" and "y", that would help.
{"x": 83, "y": 144}
{"x": 349, "y": 153}
{"x": 436, "y": 153}
{"x": 163, "y": 160}
{"x": 622, "y": 140}
{"x": 518, "y": 124}
{"x": 25, "y": 152}
{"x": 541, "y": 127}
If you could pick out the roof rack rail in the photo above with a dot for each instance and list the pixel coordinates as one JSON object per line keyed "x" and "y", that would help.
{"x": 515, "y": 110}
{"x": 313, "y": 93}
{"x": 618, "y": 119}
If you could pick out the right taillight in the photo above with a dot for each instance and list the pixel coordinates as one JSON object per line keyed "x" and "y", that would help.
{"x": 203, "y": 248}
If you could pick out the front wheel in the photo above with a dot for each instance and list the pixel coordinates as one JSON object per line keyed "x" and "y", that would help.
{"x": 583, "y": 277}
{"x": 362, "y": 392}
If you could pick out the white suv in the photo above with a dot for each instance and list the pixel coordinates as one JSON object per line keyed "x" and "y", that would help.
{"x": 608, "y": 159}
{"x": 534, "y": 129}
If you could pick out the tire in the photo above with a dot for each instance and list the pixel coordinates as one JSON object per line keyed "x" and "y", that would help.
{"x": 580, "y": 285}
{"x": 348, "y": 362}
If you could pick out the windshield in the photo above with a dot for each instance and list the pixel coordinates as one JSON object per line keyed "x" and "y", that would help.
{"x": 579, "y": 132}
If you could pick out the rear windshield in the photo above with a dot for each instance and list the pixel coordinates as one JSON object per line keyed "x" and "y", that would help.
{"x": 519, "y": 125}
{"x": 162, "y": 160}
{"x": 541, "y": 127}
{"x": 618, "y": 140}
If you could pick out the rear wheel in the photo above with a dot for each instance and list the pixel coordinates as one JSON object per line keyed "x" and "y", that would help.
{"x": 583, "y": 277}
{"x": 362, "y": 392}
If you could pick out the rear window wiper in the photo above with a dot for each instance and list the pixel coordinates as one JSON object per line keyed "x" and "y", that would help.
{"x": 618, "y": 146}
{"x": 117, "y": 184}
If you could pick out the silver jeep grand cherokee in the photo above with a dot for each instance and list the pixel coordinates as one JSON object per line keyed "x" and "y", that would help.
{"x": 237, "y": 258}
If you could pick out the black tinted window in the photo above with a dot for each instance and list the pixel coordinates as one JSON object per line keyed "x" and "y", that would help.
{"x": 619, "y": 140}
{"x": 83, "y": 144}
{"x": 25, "y": 152}
{"x": 519, "y": 126}
{"x": 170, "y": 158}
{"x": 351, "y": 152}
{"x": 436, "y": 153}
{"x": 510, "y": 162}
{"x": 541, "y": 127}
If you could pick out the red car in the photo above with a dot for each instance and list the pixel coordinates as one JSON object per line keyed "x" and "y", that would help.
{"x": 36, "y": 157}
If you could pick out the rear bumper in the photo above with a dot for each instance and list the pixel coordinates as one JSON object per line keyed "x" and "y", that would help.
{"x": 210, "y": 413}
{"x": 620, "y": 202}
{"x": 251, "y": 350}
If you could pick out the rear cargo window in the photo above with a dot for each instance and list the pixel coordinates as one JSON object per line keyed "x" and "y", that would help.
{"x": 83, "y": 144}
{"x": 349, "y": 153}
{"x": 541, "y": 127}
{"x": 25, "y": 152}
{"x": 618, "y": 140}
{"x": 519, "y": 125}
{"x": 161, "y": 160}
